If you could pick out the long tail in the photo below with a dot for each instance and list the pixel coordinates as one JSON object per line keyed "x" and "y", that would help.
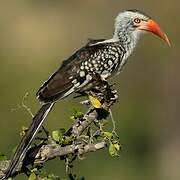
{"x": 27, "y": 139}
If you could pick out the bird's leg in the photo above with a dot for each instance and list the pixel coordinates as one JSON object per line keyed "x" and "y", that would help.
{"x": 107, "y": 94}
{"x": 98, "y": 91}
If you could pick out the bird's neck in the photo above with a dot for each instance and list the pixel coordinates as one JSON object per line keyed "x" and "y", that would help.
{"x": 127, "y": 40}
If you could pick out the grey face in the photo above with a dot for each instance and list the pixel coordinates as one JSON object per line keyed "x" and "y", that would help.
{"x": 130, "y": 20}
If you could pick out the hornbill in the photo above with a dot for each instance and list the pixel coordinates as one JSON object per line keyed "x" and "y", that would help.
{"x": 104, "y": 57}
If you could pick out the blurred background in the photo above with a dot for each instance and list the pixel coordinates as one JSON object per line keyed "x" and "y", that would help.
{"x": 37, "y": 35}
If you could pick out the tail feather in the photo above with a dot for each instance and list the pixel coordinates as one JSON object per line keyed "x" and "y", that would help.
{"x": 28, "y": 137}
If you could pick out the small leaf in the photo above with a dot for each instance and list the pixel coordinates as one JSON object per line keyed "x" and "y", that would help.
{"x": 79, "y": 114}
{"x": 32, "y": 176}
{"x": 72, "y": 118}
{"x": 109, "y": 135}
{"x": 112, "y": 149}
{"x": 117, "y": 146}
{"x": 34, "y": 170}
{"x": 98, "y": 137}
{"x": 56, "y": 135}
{"x": 3, "y": 157}
{"x": 76, "y": 114}
{"x": 95, "y": 102}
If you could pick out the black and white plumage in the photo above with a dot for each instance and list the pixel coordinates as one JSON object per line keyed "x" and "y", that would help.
{"x": 100, "y": 58}
{"x": 103, "y": 57}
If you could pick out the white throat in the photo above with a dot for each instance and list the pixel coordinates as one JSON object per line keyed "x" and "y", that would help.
{"x": 128, "y": 41}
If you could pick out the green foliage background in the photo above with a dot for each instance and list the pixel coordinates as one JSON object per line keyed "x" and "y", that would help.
{"x": 35, "y": 36}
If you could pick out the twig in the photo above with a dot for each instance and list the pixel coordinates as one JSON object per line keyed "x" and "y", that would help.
{"x": 23, "y": 105}
{"x": 113, "y": 122}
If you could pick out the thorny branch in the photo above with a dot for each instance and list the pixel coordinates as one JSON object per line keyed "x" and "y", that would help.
{"x": 80, "y": 139}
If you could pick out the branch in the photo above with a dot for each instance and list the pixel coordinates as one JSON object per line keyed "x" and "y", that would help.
{"x": 83, "y": 135}
{"x": 48, "y": 152}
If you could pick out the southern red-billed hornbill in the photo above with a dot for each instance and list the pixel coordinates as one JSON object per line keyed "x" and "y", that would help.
{"x": 103, "y": 57}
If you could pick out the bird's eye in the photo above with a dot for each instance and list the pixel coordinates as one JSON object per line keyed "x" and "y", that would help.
{"x": 137, "y": 20}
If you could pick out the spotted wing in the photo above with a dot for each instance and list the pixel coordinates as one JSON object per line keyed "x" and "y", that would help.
{"x": 67, "y": 79}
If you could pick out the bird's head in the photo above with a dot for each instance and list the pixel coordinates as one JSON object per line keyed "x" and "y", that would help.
{"x": 132, "y": 23}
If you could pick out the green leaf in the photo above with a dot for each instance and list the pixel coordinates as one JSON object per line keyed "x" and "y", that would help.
{"x": 113, "y": 149}
{"x": 32, "y": 176}
{"x": 34, "y": 170}
{"x": 72, "y": 118}
{"x": 99, "y": 138}
{"x": 109, "y": 135}
{"x": 3, "y": 157}
{"x": 117, "y": 146}
{"x": 56, "y": 135}
{"x": 79, "y": 114}
{"x": 76, "y": 114}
